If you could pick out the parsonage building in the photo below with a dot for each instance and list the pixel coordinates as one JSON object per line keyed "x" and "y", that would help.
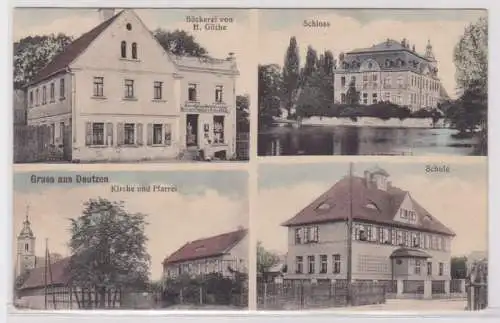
{"x": 390, "y": 72}
{"x": 115, "y": 94}
{"x": 393, "y": 237}
{"x": 225, "y": 254}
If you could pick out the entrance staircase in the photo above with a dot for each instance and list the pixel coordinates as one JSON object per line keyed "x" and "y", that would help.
{"x": 189, "y": 154}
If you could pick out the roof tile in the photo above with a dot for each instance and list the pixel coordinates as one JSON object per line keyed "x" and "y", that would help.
{"x": 387, "y": 203}
{"x": 60, "y": 275}
{"x": 206, "y": 247}
{"x": 72, "y": 51}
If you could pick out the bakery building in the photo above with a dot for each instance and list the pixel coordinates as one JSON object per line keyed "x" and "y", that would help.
{"x": 114, "y": 94}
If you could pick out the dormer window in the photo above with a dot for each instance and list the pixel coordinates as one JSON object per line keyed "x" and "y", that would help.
{"x": 124, "y": 49}
{"x": 134, "y": 50}
{"x": 324, "y": 206}
{"x": 372, "y": 206}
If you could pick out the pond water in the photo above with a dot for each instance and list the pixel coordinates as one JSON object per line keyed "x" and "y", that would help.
{"x": 345, "y": 140}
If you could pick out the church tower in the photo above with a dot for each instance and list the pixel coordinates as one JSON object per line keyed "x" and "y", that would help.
{"x": 25, "y": 248}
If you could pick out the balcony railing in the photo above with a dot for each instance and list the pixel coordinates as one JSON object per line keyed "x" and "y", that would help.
{"x": 195, "y": 106}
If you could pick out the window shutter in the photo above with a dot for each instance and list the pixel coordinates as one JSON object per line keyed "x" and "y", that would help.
{"x": 150, "y": 134}
{"x": 120, "y": 133}
{"x": 168, "y": 134}
{"x": 109, "y": 136}
{"x": 139, "y": 134}
{"x": 88, "y": 133}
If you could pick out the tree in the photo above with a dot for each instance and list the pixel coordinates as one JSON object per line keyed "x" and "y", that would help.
{"x": 471, "y": 57}
{"x": 471, "y": 61}
{"x": 329, "y": 63}
{"x": 31, "y": 54}
{"x": 179, "y": 43}
{"x": 265, "y": 259}
{"x": 311, "y": 65}
{"x": 316, "y": 95}
{"x": 469, "y": 111}
{"x": 352, "y": 96}
{"x": 108, "y": 247}
{"x": 242, "y": 113}
{"x": 269, "y": 93}
{"x": 458, "y": 267}
{"x": 291, "y": 75}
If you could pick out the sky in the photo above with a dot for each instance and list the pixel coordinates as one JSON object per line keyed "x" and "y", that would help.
{"x": 360, "y": 28}
{"x": 458, "y": 199}
{"x": 74, "y": 22}
{"x": 206, "y": 203}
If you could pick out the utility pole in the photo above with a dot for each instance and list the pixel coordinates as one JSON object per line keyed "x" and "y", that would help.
{"x": 45, "y": 271}
{"x": 349, "y": 237}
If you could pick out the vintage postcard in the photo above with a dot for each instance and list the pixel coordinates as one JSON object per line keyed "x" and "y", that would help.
{"x": 125, "y": 85}
{"x": 373, "y": 82}
{"x": 131, "y": 240}
{"x": 364, "y": 236}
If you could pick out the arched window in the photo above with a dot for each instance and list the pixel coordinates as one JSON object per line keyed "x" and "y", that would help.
{"x": 134, "y": 50}
{"x": 26, "y": 247}
{"x": 124, "y": 49}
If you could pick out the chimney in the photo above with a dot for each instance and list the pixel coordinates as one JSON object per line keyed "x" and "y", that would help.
{"x": 106, "y": 14}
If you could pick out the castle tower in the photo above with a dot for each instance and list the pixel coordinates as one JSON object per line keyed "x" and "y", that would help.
{"x": 429, "y": 54}
{"x": 25, "y": 248}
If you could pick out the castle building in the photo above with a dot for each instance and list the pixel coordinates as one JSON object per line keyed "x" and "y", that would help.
{"x": 390, "y": 72}
{"x": 394, "y": 238}
{"x": 115, "y": 94}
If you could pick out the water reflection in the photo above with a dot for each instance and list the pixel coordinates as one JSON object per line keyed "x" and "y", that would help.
{"x": 342, "y": 140}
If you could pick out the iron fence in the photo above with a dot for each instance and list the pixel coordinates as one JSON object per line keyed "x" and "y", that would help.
{"x": 300, "y": 294}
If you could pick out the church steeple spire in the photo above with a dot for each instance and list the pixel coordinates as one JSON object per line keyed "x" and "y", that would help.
{"x": 26, "y": 231}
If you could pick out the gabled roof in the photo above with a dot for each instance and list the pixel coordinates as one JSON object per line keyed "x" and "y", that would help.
{"x": 73, "y": 50}
{"x": 207, "y": 247}
{"x": 78, "y": 46}
{"x": 60, "y": 275}
{"x": 337, "y": 201}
